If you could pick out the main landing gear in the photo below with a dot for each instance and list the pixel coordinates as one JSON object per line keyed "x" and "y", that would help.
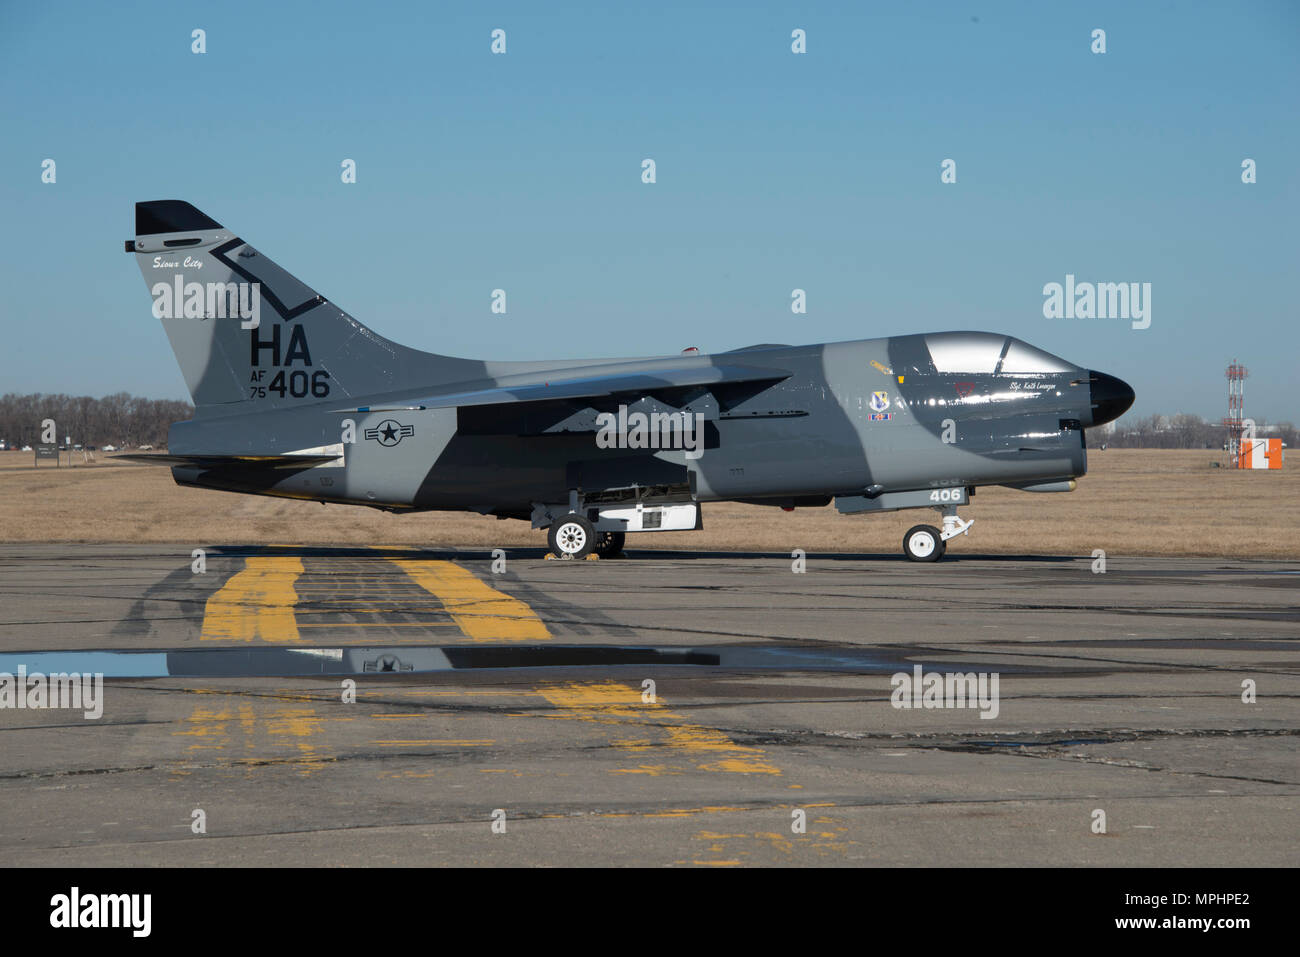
{"x": 925, "y": 543}
{"x": 597, "y": 529}
{"x": 573, "y": 537}
{"x": 609, "y": 544}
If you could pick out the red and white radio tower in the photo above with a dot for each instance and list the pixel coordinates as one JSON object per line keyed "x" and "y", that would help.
{"x": 1236, "y": 374}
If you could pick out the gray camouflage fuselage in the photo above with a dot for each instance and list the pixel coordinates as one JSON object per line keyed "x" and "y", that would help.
{"x": 785, "y": 425}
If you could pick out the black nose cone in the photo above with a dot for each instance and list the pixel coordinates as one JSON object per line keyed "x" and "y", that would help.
{"x": 1111, "y": 398}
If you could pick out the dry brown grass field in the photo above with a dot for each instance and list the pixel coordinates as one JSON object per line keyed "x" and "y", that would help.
{"x": 1134, "y": 502}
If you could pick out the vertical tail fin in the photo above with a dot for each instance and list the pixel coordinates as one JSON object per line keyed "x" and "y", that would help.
{"x": 249, "y": 336}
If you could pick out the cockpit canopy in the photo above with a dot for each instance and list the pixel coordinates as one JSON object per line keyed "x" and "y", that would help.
{"x": 987, "y": 353}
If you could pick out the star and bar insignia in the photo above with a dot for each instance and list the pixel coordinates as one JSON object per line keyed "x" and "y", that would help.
{"x": 389, "y": 432}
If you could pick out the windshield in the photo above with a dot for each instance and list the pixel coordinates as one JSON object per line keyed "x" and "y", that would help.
{"x": 1022, "y": 357}
{"x": 987, "y": 353}
{"x": 976, "y": 352}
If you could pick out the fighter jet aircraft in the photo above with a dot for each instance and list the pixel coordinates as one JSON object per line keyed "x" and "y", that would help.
{"x": 295, "y": 398}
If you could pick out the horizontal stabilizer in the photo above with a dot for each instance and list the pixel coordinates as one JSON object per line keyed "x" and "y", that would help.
{"x": 590, "y": 387}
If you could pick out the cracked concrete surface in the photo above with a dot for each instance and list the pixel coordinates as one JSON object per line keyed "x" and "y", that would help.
{"x": 1121, "y": 692}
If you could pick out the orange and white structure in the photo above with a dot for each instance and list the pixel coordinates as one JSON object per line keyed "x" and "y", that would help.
{"x": 1259, "y": 453}
{"x": 1245, "y": 451}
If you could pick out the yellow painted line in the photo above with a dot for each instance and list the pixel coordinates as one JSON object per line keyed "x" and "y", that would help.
{"x": 482, "y": 612}
{"x": 458, "y": 693}
{"x": 609, "y": 702}
{"x": 460, "y": 743}
{"x": 357, "y": 604}
{"x": 380, "y": 624}
{"x": 689, "y": 811}
{"x": 256, "y": 604}
{"x": 262, "y": 733}
{"x": 430, "y": 607}
{"x": 600, "y": 699}
{"x": 373, "y": 611}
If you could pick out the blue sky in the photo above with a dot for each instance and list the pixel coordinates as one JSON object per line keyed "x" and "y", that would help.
{"x": 775, "y": 171}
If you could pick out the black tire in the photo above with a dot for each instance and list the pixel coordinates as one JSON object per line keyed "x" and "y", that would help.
{"x": 609, "y": 544}
{"x": 571, "y": 537}
{"x": 923, "y": 544}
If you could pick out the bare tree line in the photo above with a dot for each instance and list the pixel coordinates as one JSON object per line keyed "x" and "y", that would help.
{"x": 1183, "y": 431}
{"x": 119, "y": 419}
{"x": 126, "y": 420}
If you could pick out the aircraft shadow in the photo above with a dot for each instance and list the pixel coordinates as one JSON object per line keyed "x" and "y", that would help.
{"x": 631, "y": 555}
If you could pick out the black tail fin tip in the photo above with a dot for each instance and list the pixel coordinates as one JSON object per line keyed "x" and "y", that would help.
{"x": 170, "y": 216}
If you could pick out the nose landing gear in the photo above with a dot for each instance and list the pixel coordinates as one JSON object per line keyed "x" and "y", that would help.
{"x": 925, "y": 543}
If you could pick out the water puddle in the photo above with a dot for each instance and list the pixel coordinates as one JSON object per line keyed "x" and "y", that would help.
{"x": 429, "y": 659}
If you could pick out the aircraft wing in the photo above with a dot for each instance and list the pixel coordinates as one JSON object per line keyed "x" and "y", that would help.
{"x": 216, "y": 461}
{"x": 589, "y": 387}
